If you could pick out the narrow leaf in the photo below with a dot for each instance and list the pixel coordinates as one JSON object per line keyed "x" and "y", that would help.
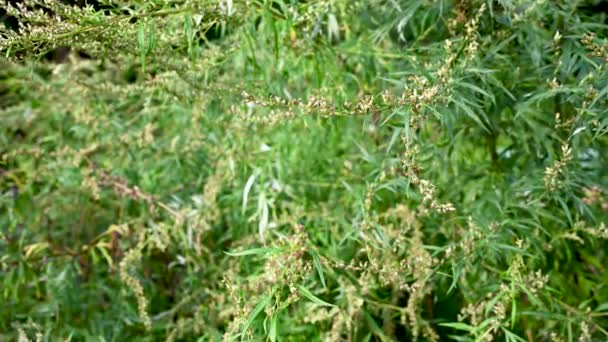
{"x": 256, "y": 311}
{"x": 317, "y": 263}
{"x": 248, "y": 186}
{"x": 306, "y": 293}
{"x": 253, "y": 251}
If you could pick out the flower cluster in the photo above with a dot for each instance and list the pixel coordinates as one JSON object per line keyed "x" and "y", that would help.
{"x": 554, "y": 172}
{"x": 282, "y": 109}
{"x": 131, "y": 257}
{"x": 596, "y": 49}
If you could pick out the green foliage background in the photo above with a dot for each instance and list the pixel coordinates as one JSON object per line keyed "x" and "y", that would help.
{"x": 304, "y": 170}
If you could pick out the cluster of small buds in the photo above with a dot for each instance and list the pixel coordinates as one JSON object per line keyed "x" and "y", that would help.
{"x": 449, "y": 252}
{"x": 146, "y": 138}
{"x": 160, "y": 236}
{"x": 428, "y": 333}
{"x": 584, "y": 334}
{"x": 428, "y": 192}
{"x": 131, "y": 257}
{"x": 471, "y": 237}
{"x": 294, "y": 295}
{"x": 232, "y": 293}
{"x": 591, "y": 94}
{"x": 89, "y": 182}
{"x": 353, "y": 265}
{"x": 417, "y": 293}
{"x": 553, "y": 172}
{"x": 458, "y": 18}
{"x": 337, "y": 326}
{"x": 405, "y": 219}
{"x": 554, "y": 84}
{"x": 557, "y": 41}
{"x": 554, "y": 337}
{"x": 572, "y": 236}
{"x": 60, "y": 28}
{"x": 122, "y": 188}
{"x": 420, "y": 264}
{"x": 420, "y": 94}
{"x": 536, "y": 281}
{"x": 500, "y": 311}
{"x": 600, "y": 231}
{"x": 601, "y": 51}
{"x": 288, "y": 268}
{"x": 210, "y": 191}
{"x": 559, "y": 123}
{"x": 516, "y": 267}
{"x": 369, "y": 197}
{"x": 312, "y": 14}
{"x": 480, "y": 312}
{"x": 471, "y": 32}
{"x": 444, "y": 73}
{"x": 389, "y": 98}
{"x": 472, "y": 313}
{"x": 184, "y": 325}
{"x": 355, "y": 302}
{"x": 318, "y": 314}
{"x": 284, "y": 109}
{"x": 530, "y": 7}
{"x": 521, "y": 243}
{"x": 426, "y": 188}
{"x": 389, "y": 272}
{"x": 83, "y": 153}
{"x": 592, "y": 195}
{"x": 22, "y": 337}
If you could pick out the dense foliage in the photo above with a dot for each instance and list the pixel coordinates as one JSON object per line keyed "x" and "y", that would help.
{"x": 304, "y": 170}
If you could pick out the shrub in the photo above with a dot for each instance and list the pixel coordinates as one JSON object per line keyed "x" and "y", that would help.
{"x": 292, "y": 170}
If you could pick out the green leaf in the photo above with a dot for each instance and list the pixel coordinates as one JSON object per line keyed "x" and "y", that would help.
{"x": 476, "y": 89}
{"x": 601, "y": 307}
{"x": 151, "y": 37}
{"x": 141, "y": 45}
{"x": 264, "y": 212}
{"x": 458, "y": 326}
{"x": 141, "y": 37}
{"x": 511, "y": 336}
{"x": 371, "y": 323}
{"x": 254, "y": 313}
{"x": 24, "y": 206}
{"x": 247, "y": 189}
{"x": 470, "y": 113}
{"x": 272, "y": 334}
{"x": 306, "y": 293}
{"x": 317, "y": 263}
{"x": 254, "y": 251}
{"x": 188, "y": 28}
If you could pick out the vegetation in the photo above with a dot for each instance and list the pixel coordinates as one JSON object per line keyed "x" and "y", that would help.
{"x": 304, "y": 170}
